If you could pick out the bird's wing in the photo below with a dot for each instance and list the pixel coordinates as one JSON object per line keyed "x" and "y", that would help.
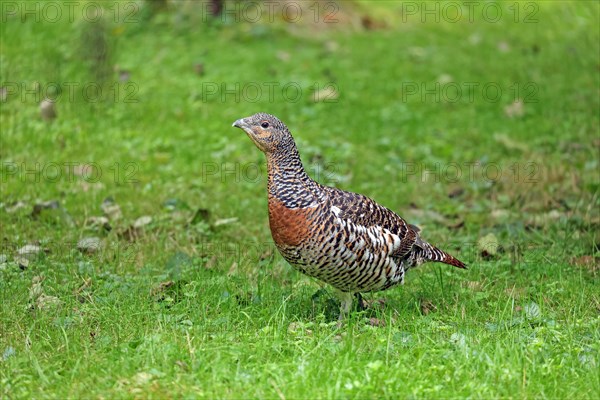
{"x": 365, "y": 212}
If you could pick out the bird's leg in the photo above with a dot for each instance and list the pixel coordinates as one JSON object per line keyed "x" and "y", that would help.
{"x": 346, "y": 299}
{"x": 361, "y": 305}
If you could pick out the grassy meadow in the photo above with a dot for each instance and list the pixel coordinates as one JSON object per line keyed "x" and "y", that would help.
{"x": 136, "y": 257}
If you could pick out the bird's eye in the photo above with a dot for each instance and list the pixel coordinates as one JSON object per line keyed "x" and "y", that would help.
{"x": 265, "y": 124}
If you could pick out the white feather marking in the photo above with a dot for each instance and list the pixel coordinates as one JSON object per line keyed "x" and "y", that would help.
{"x": 373, "y": 238}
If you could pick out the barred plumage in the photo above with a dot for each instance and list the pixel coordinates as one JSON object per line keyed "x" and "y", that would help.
{"x": 342, "y": 238}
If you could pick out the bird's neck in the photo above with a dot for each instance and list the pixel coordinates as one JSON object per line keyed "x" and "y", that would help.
{"x": 288, "y": 181}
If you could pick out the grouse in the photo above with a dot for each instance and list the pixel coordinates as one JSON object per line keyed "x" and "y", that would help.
{"x": 344, "y": 239}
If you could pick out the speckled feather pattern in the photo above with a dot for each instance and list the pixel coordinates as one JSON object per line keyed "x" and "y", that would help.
{"x": 342, "y": 238}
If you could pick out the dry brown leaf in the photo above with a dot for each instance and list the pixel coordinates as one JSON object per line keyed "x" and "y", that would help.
{"x": 199, "y": 69}
{"x": 161, "y": 287}
{"x": 377, "y": 322}
{"x": 328, "y": 93}
{"x": 503, "y": 47}
{"x": 475, "y": 286}
{"x": 515, "y": 292}
{"x": 587, "y": 262}
{"x": 515, "y": 110}
{"x": 124, "y": 75}
{"x": 87, "y": 282}
{"x": 427, "y": 307}
{"x": 98, "y": 222}
{"x": 233, "y": 269}
{"x": 488, "y": 245}
{"x": 13, "y": 207}
{"x": 44, "y": 205}
{"x": 283, "y": 56}
{"x": 30, "y": 251}
{"x": 89, "y": 245}
{"x": 111, "y": 209}
{"x": 142, "y": 221}
{"x": 225, "y": 221}
{"x": 374, "y": 303}
{"x": 47, "y": 110}
{"x": 36, "y": 289}
{"x": 45, "y": 302}
{"x": 456, "y": 192}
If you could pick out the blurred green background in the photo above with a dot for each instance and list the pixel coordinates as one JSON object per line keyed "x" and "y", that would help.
{"x": 137, "y": 260}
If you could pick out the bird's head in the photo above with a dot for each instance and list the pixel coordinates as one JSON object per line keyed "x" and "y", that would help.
{"x": 266, "y": 131}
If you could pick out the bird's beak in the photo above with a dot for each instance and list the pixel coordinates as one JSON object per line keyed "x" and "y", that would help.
{"x": 240, "y": 123}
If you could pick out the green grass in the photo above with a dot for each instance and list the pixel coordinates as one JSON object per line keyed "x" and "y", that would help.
{"x": 194, "y": 307}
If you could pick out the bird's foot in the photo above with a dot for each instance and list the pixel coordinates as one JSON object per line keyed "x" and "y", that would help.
{"x": 346, "y": 304}
{"x": 361, "y": 305}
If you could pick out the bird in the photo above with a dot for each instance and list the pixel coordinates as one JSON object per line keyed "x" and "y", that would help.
{"x": 344, "y": 239}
